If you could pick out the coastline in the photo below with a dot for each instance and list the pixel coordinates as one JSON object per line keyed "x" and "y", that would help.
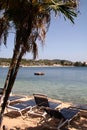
{"x": 39, "y": 66}
{"x": 44, "y": 62}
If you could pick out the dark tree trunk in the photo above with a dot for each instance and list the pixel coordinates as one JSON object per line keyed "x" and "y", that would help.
{"x": 19, "y": 51}
{"x": 14, "y": 59}
{"x": 12, "y": 73}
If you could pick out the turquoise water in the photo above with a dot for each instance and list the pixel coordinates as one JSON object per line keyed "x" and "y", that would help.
{"x": 63, "y": 83}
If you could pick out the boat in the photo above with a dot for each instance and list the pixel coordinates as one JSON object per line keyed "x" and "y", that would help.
{"x": 38, "y": 73}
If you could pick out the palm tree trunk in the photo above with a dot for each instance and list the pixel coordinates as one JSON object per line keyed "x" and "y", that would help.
{"x": 19, "y": 51}
{"x": 11, "y": 79}
{"x": 10, "y": 72}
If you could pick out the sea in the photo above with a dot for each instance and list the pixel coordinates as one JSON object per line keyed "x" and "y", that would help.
{"x": 68, "y": 84}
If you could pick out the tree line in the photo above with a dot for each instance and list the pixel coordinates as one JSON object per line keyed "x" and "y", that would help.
{"x": 44, "y": 62}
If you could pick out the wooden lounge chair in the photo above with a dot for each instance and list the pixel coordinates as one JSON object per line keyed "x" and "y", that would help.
{"x": 64, "y": 116}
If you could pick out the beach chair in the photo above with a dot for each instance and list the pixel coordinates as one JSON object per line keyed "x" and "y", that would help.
{"x": 64, "y": 116}
{"x": 22, "y": 106}
{"x": 41, "y": 102}
{"x": 15, "y": 98}
{"x": 82, "y": 107}
{"x": 12, "y": 98}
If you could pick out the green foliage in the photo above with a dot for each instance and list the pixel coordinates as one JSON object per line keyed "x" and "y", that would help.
{"x": 45, "y": 62}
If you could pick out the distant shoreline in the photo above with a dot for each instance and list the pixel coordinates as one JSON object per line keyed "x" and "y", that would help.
{"x": 42, "y": 63}
{"x": 24, "y": 66}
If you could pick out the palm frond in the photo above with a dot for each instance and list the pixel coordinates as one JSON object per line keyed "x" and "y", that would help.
{"x": 4, "y": 27}
{"x": 34, "y": 50}
{"x": 65, "y": 7}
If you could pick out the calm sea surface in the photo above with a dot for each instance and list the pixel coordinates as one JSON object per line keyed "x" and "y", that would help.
{"x": 63, "y": 83}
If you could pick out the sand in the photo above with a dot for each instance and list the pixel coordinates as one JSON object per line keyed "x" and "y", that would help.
{"x": 13, "y": 121}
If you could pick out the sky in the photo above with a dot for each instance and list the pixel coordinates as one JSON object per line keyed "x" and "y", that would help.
{"x": 64, "y": 40}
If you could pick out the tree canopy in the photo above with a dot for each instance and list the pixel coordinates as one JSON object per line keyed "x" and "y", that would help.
{"x": 30, "y": 20}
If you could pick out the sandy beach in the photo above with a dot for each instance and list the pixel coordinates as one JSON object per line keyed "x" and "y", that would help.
{"x": 13, "y": 121}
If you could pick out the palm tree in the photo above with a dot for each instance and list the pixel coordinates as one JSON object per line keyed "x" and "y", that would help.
{"x": 30, "y": 20}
